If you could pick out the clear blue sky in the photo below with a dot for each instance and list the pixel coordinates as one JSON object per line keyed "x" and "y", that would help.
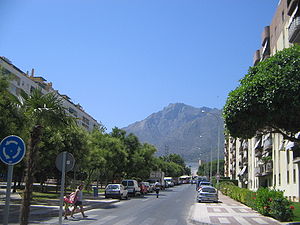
{"x": 125, "y": 59}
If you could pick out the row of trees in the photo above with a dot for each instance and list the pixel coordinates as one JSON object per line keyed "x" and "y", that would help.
{"x": 42, "y": 122}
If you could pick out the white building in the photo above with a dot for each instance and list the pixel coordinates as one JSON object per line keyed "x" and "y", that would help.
{"x": 28, "y": 83}
{"x": 268, "y": 160}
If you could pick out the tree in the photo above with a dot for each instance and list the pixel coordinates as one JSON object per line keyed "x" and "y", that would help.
{"x": 40, "y": 111}
{"x": 267, "y": 99}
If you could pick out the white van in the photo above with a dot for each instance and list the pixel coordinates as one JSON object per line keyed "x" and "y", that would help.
{"x": 132, "y": 187}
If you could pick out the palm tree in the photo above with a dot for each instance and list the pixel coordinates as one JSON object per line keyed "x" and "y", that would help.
{"x": 40, "y": 110}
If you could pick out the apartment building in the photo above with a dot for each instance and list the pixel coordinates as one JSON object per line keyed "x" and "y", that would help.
{"x": 24, "y": 81}
{"x": 268, "y": 160}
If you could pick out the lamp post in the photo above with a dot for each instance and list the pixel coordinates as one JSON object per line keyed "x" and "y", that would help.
{"x": 218, "y": 145}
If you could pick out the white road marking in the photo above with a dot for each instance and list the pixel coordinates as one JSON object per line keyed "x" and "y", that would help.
{"x": 259, "y": 220}
{"x": 125, "y": 221}
{"x": 148, "y": 221}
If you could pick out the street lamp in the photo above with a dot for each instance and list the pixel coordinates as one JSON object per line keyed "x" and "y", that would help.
{"x": 218, "y": 146}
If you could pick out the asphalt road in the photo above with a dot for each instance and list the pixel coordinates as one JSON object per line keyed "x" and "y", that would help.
{"x": 171, "y": 208}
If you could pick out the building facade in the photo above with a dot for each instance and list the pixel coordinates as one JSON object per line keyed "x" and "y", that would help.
{"x": 268, "y": 160}
{"x": 24, "y": 81}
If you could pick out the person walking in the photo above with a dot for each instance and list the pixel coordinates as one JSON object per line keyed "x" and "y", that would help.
{"x": 157, "y": 188}
{"x": 78, "y": 201}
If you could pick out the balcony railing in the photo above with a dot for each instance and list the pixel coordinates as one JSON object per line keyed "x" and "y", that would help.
{"x": 292, "y": 4}
{"x": 294, "y": 29}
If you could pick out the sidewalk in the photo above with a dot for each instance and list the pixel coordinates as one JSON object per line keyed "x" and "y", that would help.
{"x": 229, "y": 212}
{"x": 44, "y": 210}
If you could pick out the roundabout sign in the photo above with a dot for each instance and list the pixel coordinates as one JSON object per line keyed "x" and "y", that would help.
{"x": 12, "y": 150}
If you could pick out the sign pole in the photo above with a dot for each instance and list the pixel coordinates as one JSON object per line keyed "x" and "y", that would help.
{"x": 62, "y": 186}
{"x": 8, "y": 191}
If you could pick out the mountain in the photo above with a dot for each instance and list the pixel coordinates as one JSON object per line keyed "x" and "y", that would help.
{"x": 182, "y": 129}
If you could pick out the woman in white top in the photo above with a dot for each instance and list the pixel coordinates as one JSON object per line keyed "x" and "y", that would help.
{"x": 78, "y": 202}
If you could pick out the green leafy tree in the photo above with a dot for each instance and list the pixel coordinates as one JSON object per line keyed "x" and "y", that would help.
{"x": 267, "y": 98}
{"x": 40, "y": 111}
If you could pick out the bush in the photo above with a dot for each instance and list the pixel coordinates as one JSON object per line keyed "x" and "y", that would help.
{"x": 266, "y": 201}
{"x": 281, "y": 209}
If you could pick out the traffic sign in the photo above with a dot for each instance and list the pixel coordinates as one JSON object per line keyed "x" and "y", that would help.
{"x": 69, "y": 163}
{"x": 12, "y": 150}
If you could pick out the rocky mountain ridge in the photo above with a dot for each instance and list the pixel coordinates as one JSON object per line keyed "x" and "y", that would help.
{"x": 182, "y": 129}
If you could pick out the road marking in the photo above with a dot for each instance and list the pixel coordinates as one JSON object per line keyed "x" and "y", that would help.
{"x": 259, "y": 220}
{"x": 104, "y": 220}
{"x": 224, "y": 220}
{"x": 148, "y": 221}
{"x": 171, "y": 222}
{"x": 125, "y": 221}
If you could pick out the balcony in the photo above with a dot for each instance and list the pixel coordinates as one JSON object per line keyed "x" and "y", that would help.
{"x": 267, "y": 143}
{"x": 265, "y": 35}
{"x": 267, "y": 169}
{"x": 294, "y": 30}
{"x": 258, "y": 171}
{"x": 245, "y": 145}
{"x": 292, "y": 4}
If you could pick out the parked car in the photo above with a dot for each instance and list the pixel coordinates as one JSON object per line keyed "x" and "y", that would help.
{"x": 144, "y": 189}
{"x": 132, "y": 187}
{"x": 116, "y": 191}
{"x": 203, "y": 183}
{"x": 152, "y": 183}
{"x": 207, "y": 194}
{"x": 149, "y": 188}
{"x": 168, "y": 182}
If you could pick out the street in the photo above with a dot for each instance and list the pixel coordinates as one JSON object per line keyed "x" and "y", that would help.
{"x": 172, "y": 207}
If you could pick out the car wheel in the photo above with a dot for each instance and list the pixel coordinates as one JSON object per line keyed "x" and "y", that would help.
{"x": 199, "y": 201}
{"x": 126, "y": 197}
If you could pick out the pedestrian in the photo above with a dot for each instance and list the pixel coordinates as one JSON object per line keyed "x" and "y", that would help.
{"x": 67, "y": 203}
{"x": 78, "y": 201}
{"x": 157, "y": 188}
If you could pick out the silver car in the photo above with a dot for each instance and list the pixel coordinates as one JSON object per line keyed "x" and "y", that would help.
{"x": 116, "y": 191}
{"x": 207, "y": 194}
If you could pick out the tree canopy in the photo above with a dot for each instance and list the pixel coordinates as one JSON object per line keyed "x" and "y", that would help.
{"x": 268, "y": 98}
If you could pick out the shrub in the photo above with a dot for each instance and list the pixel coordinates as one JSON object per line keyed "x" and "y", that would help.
{"x": 281, "y": 209}
{"x": 266, "y": 201}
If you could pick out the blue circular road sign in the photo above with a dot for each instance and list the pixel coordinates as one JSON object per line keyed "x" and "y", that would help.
{"x": 12, "y": 150}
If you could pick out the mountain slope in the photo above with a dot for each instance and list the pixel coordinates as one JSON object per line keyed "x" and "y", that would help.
{"x": 182, "y": 129}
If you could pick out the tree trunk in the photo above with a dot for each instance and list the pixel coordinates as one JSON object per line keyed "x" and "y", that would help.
{"x": 32, "y": 150}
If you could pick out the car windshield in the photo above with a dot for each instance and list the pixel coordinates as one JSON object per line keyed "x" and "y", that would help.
{"x": 113, "y": 186}
{"x": 124, "y": 183}
{"x": 209, "y": 190}
{"x": 204, "y": 183}
{"x": 130, "y": 183}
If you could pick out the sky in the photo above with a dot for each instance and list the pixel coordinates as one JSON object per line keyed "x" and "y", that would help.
{"x": 123, "y": 60}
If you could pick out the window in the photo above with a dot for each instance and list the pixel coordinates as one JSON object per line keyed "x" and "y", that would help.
{"x": 288, "y": 157}
{"x": 274, "y": 180}
{"x": 288, "y": 176}
{"x": 294, "y": 176}
{"x": 279, "y": 179}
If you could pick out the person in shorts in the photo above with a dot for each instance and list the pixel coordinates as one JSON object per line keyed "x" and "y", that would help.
{"x": 78, "y": 201}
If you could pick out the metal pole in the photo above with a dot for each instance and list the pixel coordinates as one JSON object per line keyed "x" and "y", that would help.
{"x": 8, "y": 191}
{"x": 62, "y": 186}
{"x": 218, "y": 155}
{"x": 211, "y": 149}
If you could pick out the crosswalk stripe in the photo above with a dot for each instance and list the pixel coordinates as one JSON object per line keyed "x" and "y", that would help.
{"x": 104, "y": 220}
{"x": 125, "y": 221}
{"x": 148, "y": 221}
